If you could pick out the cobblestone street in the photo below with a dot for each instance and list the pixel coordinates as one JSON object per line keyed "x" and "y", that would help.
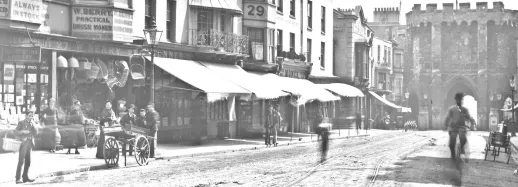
{"x": 351, "y": 163}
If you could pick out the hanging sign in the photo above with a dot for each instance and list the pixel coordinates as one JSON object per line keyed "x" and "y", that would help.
{"x": 21, "y": 54}
{"x": 4, "y": 8}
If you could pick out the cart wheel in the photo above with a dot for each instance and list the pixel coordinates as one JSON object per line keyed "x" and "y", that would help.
{"x": 509, "y": 153}
{"x": 142, "y": 150}
{"x": 111, "y": 152}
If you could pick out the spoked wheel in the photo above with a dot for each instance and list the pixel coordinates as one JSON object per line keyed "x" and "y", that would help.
{"x": 509, "y": 153}
{"x": 142, "y": 149}
{"x": 111, "y": 152}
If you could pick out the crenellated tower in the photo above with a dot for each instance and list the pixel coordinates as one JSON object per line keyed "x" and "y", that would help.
{"x": 470, "y": 49}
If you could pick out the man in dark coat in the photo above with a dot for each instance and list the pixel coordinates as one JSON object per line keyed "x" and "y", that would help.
{"x": 268, "y": 124}
{"x": 358, "y": 121}
{"x": 26, "y": 132}
{"x": 152, "y": 120}
{"x": 129, "y": 119}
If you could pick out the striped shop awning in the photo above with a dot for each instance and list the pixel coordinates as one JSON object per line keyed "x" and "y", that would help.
{"x": 228, "y": 5}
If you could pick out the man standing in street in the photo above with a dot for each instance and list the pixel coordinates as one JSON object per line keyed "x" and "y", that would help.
{"x": 129, "y": 119}
{"x": 267, "y": 126}
{"x": 152, "y": 120}
{"x": 277, "y": 119}
{"x": 26, "y": 132}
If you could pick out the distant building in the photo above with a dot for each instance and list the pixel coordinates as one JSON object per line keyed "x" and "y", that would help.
{"x": 470, "y": 49}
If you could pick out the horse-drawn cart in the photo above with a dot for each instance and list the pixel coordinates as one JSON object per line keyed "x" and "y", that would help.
{"x": 119, "y": 137}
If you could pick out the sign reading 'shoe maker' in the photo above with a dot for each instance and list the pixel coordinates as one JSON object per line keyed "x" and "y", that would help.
{"x": 102, "y": 23}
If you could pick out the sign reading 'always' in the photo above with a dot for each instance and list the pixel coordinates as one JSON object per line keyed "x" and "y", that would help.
{"x": 26, "y": 10}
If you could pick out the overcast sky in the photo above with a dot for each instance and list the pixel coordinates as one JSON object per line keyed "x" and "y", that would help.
{"x": 406, "y": 5}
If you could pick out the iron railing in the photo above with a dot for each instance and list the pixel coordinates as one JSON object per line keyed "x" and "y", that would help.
{"x": 220, "y": 41}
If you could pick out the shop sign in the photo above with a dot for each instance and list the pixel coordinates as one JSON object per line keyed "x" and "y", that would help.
{"x": 292, "y": 74}
{"x": 102, "y": 23}
{"x": 26, "y": 10}
{"x": 4, "y": 8}
{"x": 90, "y": 47}
{"x": 21, "y": 54}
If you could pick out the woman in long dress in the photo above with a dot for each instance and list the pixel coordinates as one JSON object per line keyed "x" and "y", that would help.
{"x": 49, "y": 117}
{"x": 107, "y": 119}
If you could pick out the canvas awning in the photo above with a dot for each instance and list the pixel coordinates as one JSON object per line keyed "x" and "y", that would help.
{"x": 383, "y": 100}
{"x": 343, "y": 90}
{"x": 228, "y": 5}
{"x": 261, "y": 88}
{"x": 304, "y": 89}
{"x": 201, "y": 77}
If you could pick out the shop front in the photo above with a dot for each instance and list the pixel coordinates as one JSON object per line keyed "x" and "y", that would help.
{"x": 197, "y": 103}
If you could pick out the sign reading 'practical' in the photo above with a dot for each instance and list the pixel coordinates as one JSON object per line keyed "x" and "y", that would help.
{"x": 102, "y": 23}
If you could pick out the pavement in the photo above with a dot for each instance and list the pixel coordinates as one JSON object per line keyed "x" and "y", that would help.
{"x": 45, "y": 164}
{"x": 432, "y": 166}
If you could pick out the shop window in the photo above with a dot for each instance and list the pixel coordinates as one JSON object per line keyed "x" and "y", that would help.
{"x": 171, "y": 21}
{"x": 256, "y": 37}
{"x": 218, "y": 110}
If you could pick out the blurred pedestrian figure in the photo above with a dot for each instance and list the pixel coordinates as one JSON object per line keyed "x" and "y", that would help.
{"x": 269, "y": 123}
{"x": 358, "y": 121}
{"x": 277, "y": 119}
{"x": 152, "y": 121}
{"x": 322, "y": 129}
{"x": 456, "y": 123}
{"x": 107, "y": 119}
{"x": 128, "y": 120}
{"x": 25, "y": 132}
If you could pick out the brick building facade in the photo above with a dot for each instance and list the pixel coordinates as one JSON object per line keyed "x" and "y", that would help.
{"x": 469, "y": 49}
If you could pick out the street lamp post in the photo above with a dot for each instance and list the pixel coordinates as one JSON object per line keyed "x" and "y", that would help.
{"x": 512, "y": 84}
{"x": 153, "y": 38}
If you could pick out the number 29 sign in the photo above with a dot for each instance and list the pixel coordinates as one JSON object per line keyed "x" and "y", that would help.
{"x": 255, "y": 11}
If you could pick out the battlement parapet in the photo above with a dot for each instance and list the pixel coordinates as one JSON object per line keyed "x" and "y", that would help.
{"x": 432, "y": 7}
{"x": 386, "y": 9}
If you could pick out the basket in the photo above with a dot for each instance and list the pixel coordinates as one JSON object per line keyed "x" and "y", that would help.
{"x": 9, "y": 144}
